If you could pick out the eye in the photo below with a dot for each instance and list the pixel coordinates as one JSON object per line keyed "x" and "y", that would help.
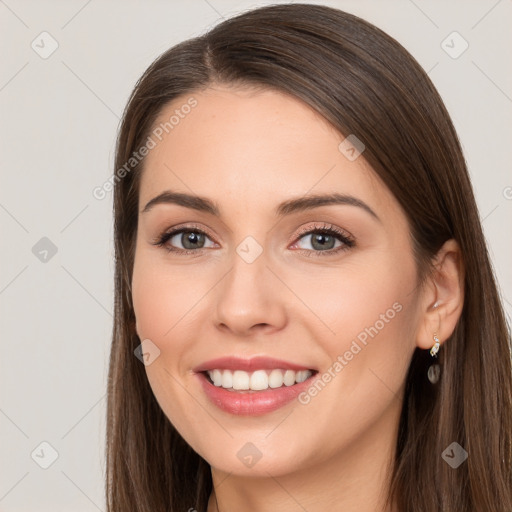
{"x": 191, "y": 238}
{"x": 324, "y": 237}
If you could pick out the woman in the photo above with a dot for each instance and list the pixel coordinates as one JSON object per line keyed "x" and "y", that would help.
{"x": 301, "y": 269}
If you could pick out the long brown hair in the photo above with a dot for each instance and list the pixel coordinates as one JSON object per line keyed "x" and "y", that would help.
{"x": 365, "y": 83}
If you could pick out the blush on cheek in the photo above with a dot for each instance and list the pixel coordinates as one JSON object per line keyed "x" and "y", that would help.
{"x": 154, "y": 305}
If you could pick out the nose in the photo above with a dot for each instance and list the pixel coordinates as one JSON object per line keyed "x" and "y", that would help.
{"x": 250, "y": 299}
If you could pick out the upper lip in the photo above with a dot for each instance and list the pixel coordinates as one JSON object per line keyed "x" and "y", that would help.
{"x": 248, "y": 365}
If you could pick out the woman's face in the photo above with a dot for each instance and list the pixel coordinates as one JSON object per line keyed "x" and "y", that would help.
{"x": 263, "y": 280}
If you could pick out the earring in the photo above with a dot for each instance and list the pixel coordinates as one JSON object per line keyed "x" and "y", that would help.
{"x": 434, "y": 370}
{"x": 435, "y": 348}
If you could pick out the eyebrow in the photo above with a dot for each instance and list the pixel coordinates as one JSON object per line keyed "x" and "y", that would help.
{"x": 288, "y": 207}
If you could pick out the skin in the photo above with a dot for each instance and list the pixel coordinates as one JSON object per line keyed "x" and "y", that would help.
{"x": 248, "y": 150}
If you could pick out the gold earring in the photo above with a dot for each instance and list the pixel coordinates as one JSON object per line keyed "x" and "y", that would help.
{"x": 435, "y": 348}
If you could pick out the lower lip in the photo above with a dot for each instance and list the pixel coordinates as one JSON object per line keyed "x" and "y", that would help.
{"x": 249, "y": 402}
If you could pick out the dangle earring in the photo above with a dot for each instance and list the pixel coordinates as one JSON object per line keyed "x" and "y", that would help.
{"x": 435, "y": 349}
{"x": 434, "y": 370}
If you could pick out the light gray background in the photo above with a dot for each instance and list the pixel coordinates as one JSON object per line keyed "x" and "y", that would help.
{"x": 59, "y": 118}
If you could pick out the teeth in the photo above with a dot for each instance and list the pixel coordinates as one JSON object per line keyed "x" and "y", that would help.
{"x": 216, "y": 376}
{"x": 241, "y": 380}
{"x": 275, "y": 379}
{"x": 257, "y": 380}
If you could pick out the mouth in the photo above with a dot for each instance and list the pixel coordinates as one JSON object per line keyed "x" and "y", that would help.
{"x": 236, "y": 396}
{"x": 253, "y": 387}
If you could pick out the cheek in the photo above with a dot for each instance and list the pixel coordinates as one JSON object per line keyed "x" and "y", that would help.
{"x": 163, "y": 298}
{"x": 165, "y": 314}
{"x": 368, "y": 322}
{"x": 369, "y": 293}
{"x": 171, "y": 305}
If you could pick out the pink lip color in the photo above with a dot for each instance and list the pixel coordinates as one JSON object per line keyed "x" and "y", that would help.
{"x": 249, "y": 365}
{"x": 249, "y": 402}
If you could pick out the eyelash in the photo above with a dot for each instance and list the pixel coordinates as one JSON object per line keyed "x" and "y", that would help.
{"x": 325, "y": 229}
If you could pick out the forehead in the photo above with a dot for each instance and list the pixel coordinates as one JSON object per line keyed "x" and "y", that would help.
{"x": 251, "y": 149}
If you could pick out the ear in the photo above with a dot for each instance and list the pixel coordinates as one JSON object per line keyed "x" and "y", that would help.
{"x": 443, "y": 296}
